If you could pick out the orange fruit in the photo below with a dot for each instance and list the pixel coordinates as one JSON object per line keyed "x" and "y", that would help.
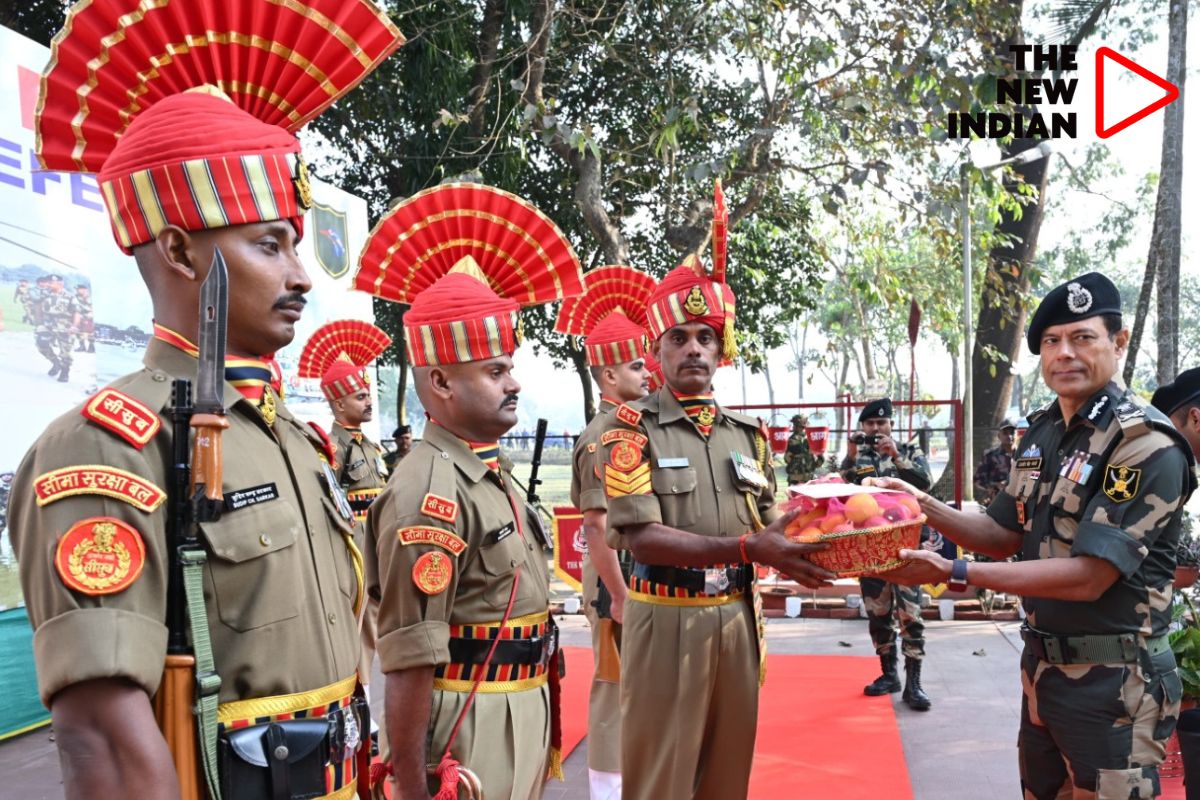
{"x": 860, "y": 507}
{"x": 876, "y": 521}
{"x": 831, "y": 521}
{"x": 805, "y": 519}
{"x": 809, "y": 535}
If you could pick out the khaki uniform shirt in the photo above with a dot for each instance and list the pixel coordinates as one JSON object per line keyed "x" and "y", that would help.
{"x": 280, "y": 582}
{"x": 360, "y": 463}
{"x": 679, "y": 478}
{"x": 444, "y": 500}
{"x": 587, "y": 487}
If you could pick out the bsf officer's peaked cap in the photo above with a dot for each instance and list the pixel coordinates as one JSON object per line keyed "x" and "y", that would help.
{"x": 1087, "y": 296}
{"x": 1185, "y": 389}
{"x": 877, "y": 409}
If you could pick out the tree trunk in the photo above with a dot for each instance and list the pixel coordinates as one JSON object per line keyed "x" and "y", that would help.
{"x": 579, "y": 361}
{"x": 1139, "y": 319}
{"x": 1168, "y": 224}
{"x": 489, "y": 39}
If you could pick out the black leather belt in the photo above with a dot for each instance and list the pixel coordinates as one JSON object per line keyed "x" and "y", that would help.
{"x": 361, "y": 504}
{"x": 692, "y": 580}
{"x": 1116, "y": 648}
{"x": 535, "y": 650}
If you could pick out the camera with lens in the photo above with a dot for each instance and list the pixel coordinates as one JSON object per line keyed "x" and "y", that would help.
{"x": 866, "y": 439}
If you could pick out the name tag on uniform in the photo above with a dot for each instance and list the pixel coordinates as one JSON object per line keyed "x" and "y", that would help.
{"x": 1029, "y": 463}
{"x": 746, "y": 470}
{"x": 250, "y": 497}
{"x": 503, "y": 533}
{"x": 668, "y": 463}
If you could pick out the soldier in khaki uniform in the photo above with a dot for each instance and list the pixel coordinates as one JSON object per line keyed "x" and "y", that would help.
{"x": 688, "y": 483}
{"x": 615, "y": 347}
{"x": 339, "y": 353}
{"x": 451, "y": 554}
{"x": 1094, "y": 506}
{"x": 87, "y": 519}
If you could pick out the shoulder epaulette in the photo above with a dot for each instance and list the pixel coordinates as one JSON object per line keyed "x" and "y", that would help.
{"x": 1131, "y": 416}
{"x": 121, "y": 414}
{"x": 1040, "y": 412}
{"x": 628, "y": 415}
{"x": 323, "y": 443}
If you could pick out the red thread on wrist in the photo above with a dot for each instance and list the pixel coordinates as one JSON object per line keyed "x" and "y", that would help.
{"x": 742, "y": 548}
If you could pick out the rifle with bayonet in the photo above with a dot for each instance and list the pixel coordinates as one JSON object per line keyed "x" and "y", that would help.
{"x": 185, "y": 705}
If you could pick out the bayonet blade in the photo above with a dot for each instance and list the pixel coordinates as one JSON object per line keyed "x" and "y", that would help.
{"x": 214, "y": 313}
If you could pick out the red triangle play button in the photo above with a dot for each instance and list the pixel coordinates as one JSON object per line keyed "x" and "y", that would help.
{"x": 1172, "y": 92}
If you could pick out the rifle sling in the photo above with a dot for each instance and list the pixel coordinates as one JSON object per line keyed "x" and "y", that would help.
{"x": 208, "y": 682}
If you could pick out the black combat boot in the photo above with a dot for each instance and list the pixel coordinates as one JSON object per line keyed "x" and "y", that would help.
{"x": 889, "y": 681}
{"x": 65, "y": 374}
{"x": 914, "y": 695}
{"x": 91, "y": 345}
{"x": 54, "y": 368}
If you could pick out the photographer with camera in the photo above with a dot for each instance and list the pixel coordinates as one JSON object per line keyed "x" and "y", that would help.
{"x": 873, "y": 453}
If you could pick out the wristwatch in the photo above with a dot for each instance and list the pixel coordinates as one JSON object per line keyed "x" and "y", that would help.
{"x": 958, "y": 576}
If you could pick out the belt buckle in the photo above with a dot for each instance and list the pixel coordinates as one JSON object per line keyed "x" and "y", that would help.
{"x": 716, "y": 580}
{"x": 1129, "y": 647}
{"x": 1054, "y": 650}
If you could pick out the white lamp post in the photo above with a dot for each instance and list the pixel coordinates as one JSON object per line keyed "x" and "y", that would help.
{"x": 1043, "y": 150}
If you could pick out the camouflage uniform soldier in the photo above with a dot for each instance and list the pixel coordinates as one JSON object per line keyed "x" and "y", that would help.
{"x": 23, "y": 296}
{"x": 1180, "y": 400}
{"x": 86, "y": 324}
{"x": 57, "y": 318}
{"x": 801, "y": 463}
{"x": 872, "y": 454}
{"x": 1093, "y": 505}
{"x": 993, "y": 469}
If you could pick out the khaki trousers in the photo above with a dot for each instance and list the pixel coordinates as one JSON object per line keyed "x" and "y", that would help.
{"x": 604, "y": 700}
{"x": 689, "y": 701}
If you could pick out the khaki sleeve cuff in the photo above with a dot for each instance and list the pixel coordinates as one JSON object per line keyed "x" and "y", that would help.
{"x": 425, "y": 644}
{"x": 91, "y": 643}
{"x": 593, "y": 500}
{"x": 633, "y": 509}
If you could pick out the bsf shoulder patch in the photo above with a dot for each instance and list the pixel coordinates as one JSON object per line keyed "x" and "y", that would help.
{"x": 119, "y": 413}
{"x": 621, "y": 435}
{"x": 435, "y": 536}
{"x": 111, "y": 482}
{"x": 100, "y": 555}
{"x": 627, "y": 415}
{"x": 625, "y": 456}
{"x": 1121, "y": 482}
{"x": 439, "y": 508}
{"x": 432, "y": 572}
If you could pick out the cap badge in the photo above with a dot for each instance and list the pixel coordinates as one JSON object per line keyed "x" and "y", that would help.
{"x": 303, "y": 187}
{"x": 1079, "y": 299}
{"x": 694, "y": 304}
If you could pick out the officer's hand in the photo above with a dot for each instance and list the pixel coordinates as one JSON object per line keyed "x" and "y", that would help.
{"x": 771, "y": 547}
{"x": 922, "y": 567}
{"x": 617, "y": 608}
{"x": 897, "y": 485}
{"x": 887, "y": 446}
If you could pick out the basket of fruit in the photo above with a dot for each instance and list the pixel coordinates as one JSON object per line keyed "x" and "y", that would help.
{"x": 865, "y": 527}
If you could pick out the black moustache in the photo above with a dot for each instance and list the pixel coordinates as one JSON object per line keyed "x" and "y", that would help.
{"x": 512, "y": 398}
{"x": 289, "y": 299}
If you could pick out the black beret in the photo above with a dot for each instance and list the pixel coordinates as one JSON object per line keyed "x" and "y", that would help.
{"x": 1087, "y": 296}
{"x": 403, "y": 429}
{"x": 1170, "y": 397}
{"x": 1007, "y": 423}
{"x": 877, "y": 409}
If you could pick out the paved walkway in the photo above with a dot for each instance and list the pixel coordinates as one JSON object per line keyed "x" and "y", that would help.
{"x": 967, "y": 739}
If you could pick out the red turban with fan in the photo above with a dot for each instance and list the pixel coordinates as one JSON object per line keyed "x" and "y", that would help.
{"x": 611, "y": 313}
{"x": 688, "y": 293}
{"x": 466, "y": 257}
{"x": 200, "y": 136}
{"x": 339, "y": 352}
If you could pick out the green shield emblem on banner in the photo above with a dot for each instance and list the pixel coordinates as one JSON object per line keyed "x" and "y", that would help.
{"x": 330, "y": 236}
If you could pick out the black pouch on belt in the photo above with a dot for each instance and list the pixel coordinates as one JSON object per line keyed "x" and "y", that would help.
{"x": 278, "y": 761}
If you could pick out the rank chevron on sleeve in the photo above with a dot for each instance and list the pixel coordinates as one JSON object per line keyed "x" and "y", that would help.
{"x": 619, "y": 483}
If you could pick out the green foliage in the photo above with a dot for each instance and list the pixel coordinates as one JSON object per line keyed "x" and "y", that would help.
{"x": 1185, "y": 644}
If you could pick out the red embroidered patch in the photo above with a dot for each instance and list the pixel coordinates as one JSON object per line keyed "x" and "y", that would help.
{"x": 432, "y": 572}
{"x": 100, "y": 555}
{"x": 119, "y": 413}
{"x": 435, "y": 536}
{"x": 620, "y": 434}
{"x": 140, "y": 493}
{"x": 630, "y": 416}
{"x": 624, "y": 456}
{"x": 439, "y": 508}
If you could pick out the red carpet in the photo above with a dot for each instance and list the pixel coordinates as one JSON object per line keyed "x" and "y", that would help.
{"x": 815, "y": 729}
{"x": 575, "y": 689}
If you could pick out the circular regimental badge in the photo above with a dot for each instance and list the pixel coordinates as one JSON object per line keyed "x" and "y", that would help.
{"x": 432, "y": 572}
{"x": 625, "y": 456}
{"x": 100, "y": 555}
